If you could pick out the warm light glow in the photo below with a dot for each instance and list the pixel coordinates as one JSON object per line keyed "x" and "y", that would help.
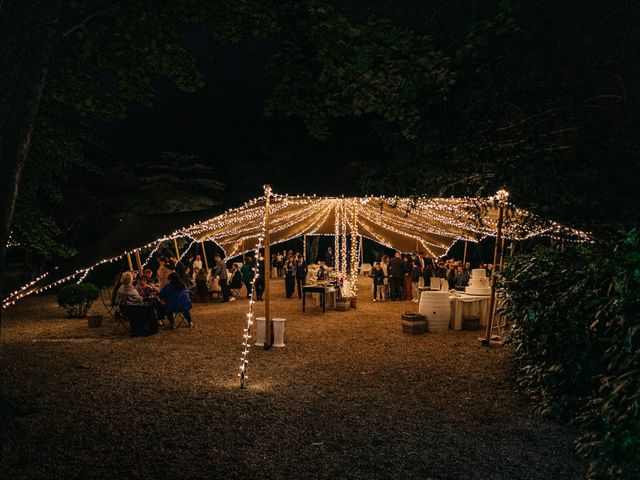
{"x": 434, "y": 223}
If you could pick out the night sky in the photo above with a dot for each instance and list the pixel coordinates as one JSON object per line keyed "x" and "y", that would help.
{"x": 224, "y": 126}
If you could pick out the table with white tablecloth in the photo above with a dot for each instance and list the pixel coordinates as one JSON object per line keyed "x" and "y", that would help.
{"x": 465, "y": 306}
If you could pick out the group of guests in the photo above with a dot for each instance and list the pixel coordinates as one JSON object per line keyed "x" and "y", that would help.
{"x": 293, "y": 267}
{"x": 177, "y": 284}
{"x": 398, "y": 278}
{"x": 171, "y": 298}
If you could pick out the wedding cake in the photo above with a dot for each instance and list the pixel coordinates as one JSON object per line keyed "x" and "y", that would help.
{"x": 478, "y": 283}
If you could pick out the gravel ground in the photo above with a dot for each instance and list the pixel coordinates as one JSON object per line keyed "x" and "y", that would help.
{"x": 350, "y": 396}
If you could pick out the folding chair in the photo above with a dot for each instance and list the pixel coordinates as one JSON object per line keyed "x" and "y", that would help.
{"x": 110, "y": 307}
{"x": 121, "y": 309}
{"x": 434, "y": 283}
{"x": 178, "y": 319}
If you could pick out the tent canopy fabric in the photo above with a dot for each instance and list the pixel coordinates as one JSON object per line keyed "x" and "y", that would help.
{"x": 432, "y": 225}
{"x": 407, "y": 224}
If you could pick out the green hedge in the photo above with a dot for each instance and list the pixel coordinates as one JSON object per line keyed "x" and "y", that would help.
{"x": 77, "y": 299}
{"x": 575, "y": 337}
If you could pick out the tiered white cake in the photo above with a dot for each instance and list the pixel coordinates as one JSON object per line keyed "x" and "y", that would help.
{"x": 478, "y": 283}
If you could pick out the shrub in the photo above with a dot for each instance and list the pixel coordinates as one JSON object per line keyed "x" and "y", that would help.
{"x": 77, "y": 299}
{"x": 575, "y": 337}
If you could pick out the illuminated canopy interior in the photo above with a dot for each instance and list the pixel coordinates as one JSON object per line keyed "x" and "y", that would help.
{"x": 407, "y": 224}
{"x": 431, "y": 224}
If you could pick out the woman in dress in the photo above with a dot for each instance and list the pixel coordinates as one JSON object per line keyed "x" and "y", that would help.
{"x": 384, "y": 265}
{"x": 407, "y": 268}
{"x": 163, "y": 272}
{"x": 247, "y": 274}
{"x": 289, "y": 276}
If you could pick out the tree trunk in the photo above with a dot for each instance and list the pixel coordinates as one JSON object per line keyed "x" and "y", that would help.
{"x": 15, "y": 138}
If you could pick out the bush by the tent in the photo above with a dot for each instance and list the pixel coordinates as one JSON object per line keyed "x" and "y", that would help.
{"x": 576, "y": 342}
{"x": 77, "y": 299}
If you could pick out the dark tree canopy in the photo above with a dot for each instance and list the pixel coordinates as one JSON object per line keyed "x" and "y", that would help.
{"x": 455, "y": 100}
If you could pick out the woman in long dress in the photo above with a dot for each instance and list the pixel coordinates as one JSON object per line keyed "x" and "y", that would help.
{"x": 289, "y": 277}
{"x": 384, "y": 264}
{"x": 407, "y": 286}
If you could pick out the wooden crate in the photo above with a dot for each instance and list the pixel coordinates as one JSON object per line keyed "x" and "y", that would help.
{"x": 413, "y": 324}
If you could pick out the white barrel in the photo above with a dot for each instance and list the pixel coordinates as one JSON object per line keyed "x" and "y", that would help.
{"x": 260, "y": 337}
{"x": 278, "y": 331}
{"x": 436, "y": 308}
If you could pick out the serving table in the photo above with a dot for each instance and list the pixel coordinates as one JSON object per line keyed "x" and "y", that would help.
{"x": 322, "y": 290}
{"x": 468, "y": 306}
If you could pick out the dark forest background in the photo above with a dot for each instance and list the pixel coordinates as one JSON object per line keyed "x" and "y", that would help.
{"x": 154, "y": 107}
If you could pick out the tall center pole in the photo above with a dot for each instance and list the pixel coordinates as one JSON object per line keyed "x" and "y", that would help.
{"x": 497, "y": 252}
{"x": 464, "y": 258}
{"x": 138, "y": 262}
{"x": 204, "y": 255}
{"x": 267, "y": 269}
{"x": 175, "y": 246}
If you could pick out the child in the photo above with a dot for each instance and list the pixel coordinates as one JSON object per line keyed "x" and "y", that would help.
{"x": 378, "y": 282}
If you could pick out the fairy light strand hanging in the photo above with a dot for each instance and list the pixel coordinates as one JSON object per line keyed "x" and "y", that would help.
{"x": 246, "y": 335}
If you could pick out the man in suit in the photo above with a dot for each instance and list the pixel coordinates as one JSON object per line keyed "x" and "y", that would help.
{"x": 220, "y": 269}
{"x": 396, "y": 274}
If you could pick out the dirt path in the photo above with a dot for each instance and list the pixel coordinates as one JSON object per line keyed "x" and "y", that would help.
{"x": 350, "y": 396}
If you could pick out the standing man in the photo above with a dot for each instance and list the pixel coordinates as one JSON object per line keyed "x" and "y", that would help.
{"x": 396, "y": 276}
{"x": 301, "y": 273}
{"x": 221, "y": 271}
{"x": 328, "y": 258}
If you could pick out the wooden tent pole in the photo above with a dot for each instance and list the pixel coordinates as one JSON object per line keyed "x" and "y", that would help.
{"x": 464, "y": 258}
{"x": 304, "y": 248}
{"x": 175, "y": 245}
{"x": 267, "y": 269}
{"x": 496, "y": 255}
{"x": 129, "y": 260}
{"x": 502, "y": 254}
{"x": 138, "y": 262}
{"x": 204, "y": 255}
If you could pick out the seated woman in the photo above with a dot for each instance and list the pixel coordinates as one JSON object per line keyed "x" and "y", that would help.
{"x": 127, "y": 292}
{"x": 236, "y": 280}
{"x": 202, "y": 289}
{"x": 175, "y": 296}
{"x": 149, "y": 293}
{"x": 145, "y": 288}
{"x": 322, "y": 273}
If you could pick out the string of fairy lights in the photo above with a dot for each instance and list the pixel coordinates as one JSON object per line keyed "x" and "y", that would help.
{"x": 433, "y": 223}
{"x": 246, "y": 335}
